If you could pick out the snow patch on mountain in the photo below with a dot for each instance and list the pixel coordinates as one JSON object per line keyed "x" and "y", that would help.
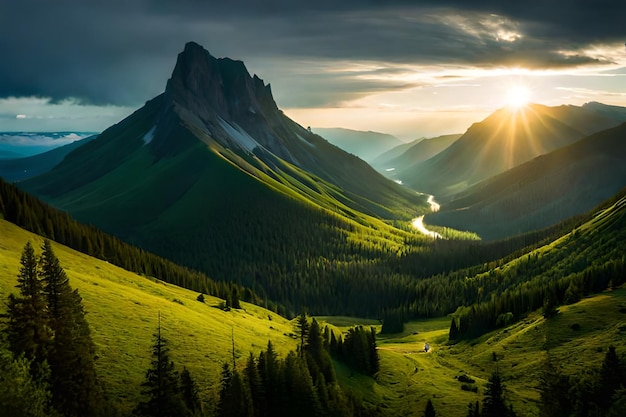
{"x": 147, "y": 138}
{"x": 239, "y": 135}
{"x": 312, "y": 145}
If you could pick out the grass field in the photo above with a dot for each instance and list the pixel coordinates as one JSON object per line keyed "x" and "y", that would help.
{"x": 123, "y": 310}
{"x": 577, "y": 337}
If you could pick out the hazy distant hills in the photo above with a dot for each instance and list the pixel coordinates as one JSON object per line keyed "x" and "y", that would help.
{"x": 366, "y": 145}
{"x": 18, "y": 169}
{"x": 543, "y": 191}
{"x": 404, "y": 159}
{"x": 504, "y": 140}
{"x": 24, "y": 144}
{"x": 211, "y": 173}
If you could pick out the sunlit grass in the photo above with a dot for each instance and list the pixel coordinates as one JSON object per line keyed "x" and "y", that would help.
{"x": 122, "y": 310}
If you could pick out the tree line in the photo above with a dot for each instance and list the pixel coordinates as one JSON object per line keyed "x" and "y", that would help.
{"x": 31, "y": 214}
{"x": 297, "y": 259}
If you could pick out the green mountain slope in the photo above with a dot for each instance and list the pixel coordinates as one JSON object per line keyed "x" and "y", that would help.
{"x": 212, "y": 175}
{"x": 544, "y": 191}
{"x": 122, "y": 310}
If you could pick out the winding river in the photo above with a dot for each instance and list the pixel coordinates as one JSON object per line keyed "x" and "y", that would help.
{"x": 418, "y": 222}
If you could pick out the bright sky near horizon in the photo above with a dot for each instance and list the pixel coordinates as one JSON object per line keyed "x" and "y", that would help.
{"x": 408, "y": 68}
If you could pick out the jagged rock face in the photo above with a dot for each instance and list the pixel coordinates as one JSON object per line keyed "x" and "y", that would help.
{"x": 200, "y": 82}
{"x": 221, "y": 94}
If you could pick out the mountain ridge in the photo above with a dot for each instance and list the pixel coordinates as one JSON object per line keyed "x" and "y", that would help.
{"x": 503, "y": 140}
{"x": 543, "y": 191}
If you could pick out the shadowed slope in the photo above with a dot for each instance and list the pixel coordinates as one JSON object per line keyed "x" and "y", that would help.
{"x": 502, "y": 141}
{"x": 544, "y": 191}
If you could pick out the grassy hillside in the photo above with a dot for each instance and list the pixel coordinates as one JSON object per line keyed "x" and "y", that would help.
{"x": 577, "y": 338}
{"x": 122, "y": 310}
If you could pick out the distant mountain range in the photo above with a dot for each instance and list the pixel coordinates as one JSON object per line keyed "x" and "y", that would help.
{"x": 504, "y": 140}
{"x": 399, "y": 162}
{"x": 543, "y": 191}
{"x": 25, "y": 144}
{"x": 21, "y": 168}
{"x": 366, "y": 145}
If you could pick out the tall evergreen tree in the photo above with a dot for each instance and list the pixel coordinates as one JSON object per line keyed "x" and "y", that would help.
{"x": 161, "y": 386}
{"x": 235, "y": 399}
{"x": 430, "y": 409}
{"x": 318, "y": 354}
{"x": 189, "y": 392}
{"x": 21, "y": 394}
{"x": 302, "y": 327}
{"x": 28, "y": 330}
{"x": 612, "y": 376}
{"x": 269, "y": 372}
{"x": 56, "y": 285}
{"x": 554, "y": 389}
{"x": 493, "y": 404}
{"x": 257, "y": 390}
{"x": 301, "y": 396}
{"x": 74, "y": 385}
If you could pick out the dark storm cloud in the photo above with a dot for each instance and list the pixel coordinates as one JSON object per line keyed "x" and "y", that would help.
{"x": 121, "y": 52}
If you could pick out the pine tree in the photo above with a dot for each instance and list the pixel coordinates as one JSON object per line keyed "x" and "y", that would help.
{"x": 301, "y": 398}
{"x": 549, "y": 308}
{"x": 430, "y": 409}
{"x": 302, "y": 326}
{"x": 611, "y": 377}
{"x": 268, "y": 366}
{"x": 28, "y": 330}
{"x": 493, "y": 404}
{"x": 454, "y": 331}
{"x": 74, "y": 385}
{"x": 189, "y": 392}
{"x": 161, "y": 384}
{"x": 257, "y": 391}
{"x": 235, "y": 399}
{"x": 318, "y": 353}
{"x": 554, "y": 389}
{"x": 56, "y": 284}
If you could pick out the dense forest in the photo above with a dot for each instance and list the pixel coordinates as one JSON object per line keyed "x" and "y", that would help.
{"x": 31, "y": 214}
{"x": 357, "y": 274}
{"x": 47, "y": 354}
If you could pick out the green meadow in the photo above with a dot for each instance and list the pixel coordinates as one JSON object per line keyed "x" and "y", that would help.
{"x": 123, "y": 310}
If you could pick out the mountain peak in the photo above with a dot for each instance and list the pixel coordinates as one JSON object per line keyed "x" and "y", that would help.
{"x": 205, "y": 85}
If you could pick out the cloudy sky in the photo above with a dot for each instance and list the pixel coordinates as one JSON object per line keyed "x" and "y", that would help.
{"x": 410, "y": 68}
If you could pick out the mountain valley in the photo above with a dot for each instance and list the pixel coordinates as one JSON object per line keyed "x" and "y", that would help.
{"x": 255, "y": 245}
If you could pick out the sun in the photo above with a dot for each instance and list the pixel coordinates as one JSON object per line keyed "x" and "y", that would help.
{"x": 517, "y": 96}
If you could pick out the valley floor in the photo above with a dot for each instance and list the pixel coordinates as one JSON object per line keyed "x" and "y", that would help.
{"x": 578, "y": 338}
